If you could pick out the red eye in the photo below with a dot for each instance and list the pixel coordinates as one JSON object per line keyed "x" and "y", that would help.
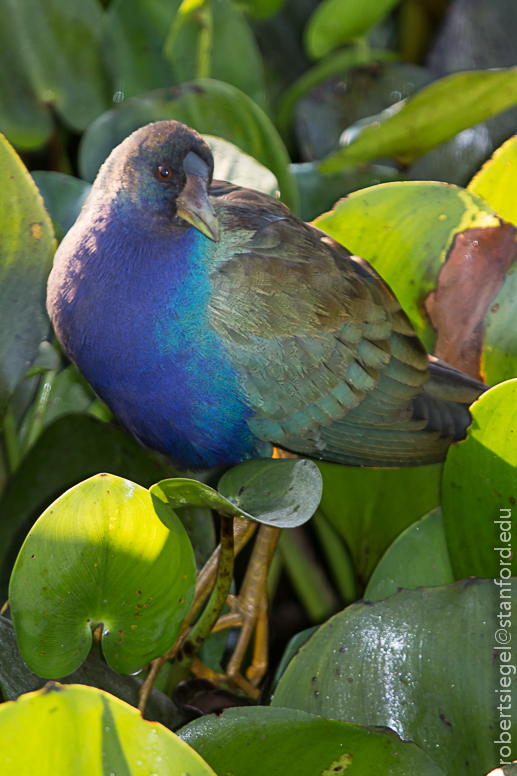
{"x": 164, "y": 173}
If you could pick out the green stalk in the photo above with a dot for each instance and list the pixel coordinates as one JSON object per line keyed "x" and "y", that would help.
{"x": 203, "y": 627}
{"x": 338, "y": 557}
{"x": 12, "y": 444}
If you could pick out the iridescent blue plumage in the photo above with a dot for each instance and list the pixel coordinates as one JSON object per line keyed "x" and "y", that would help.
{"x": 216, "y": 325}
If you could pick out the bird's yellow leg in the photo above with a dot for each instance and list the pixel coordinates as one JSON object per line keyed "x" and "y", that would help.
{"x": 249, "y": 612}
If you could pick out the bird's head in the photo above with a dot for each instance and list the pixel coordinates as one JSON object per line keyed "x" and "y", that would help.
{"x": 161, "y": 175}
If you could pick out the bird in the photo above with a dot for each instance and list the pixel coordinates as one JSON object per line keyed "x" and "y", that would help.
{"x": 219, "y": 327}
{"x": 216, "y": 325}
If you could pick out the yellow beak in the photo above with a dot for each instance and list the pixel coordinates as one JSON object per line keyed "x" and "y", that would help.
{"x": 195, "y": 207}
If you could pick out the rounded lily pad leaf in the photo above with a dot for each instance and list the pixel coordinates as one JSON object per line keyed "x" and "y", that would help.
{"x": 232, "y": 164}
{"x": 107, "y": 553}
{"x": 417, "y": 558}
{"x": 422, "y": 662}
{"x": 63, "y": 196}
{"x": 26, "y": 246}
{"x": 209, "y": 106}
{"x": 284, "y": 493}
{"x": 407, "y": 230}
{"x": 41, "y": 734}
{"x": 480, "y": 485}
{"x": 284, "y": 742}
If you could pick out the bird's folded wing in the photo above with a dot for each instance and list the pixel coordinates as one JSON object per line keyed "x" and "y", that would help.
{"x": 328, "y": 359}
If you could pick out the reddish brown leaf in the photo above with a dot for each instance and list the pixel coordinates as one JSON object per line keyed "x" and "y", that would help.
{"x": 467, "y": 285}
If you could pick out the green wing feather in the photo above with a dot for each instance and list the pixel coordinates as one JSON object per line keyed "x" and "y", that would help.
{"x": 330, "y": 363}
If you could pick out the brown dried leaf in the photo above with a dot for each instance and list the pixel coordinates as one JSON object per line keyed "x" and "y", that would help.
{"x": 467, "y": 284}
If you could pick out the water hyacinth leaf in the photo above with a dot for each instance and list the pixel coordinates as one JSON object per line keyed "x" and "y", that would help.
{"x": 417, "y": 558}
{"x": 499, "y": 356}
{"x": 406, "y": 231}
{"x": 41, "y": 735}
{"x": 370, "y": 507}
{"x": 480, "y": 484}
{"x": 212, "y": 108}
{"x": 435, "y": 114}
{"x": 283, "y": 493}
{"x": 261, "y": 9}
{"x": 26, "y": 248}
{"x": 232, "y": 164}
{"x": 58, "y": 49}
{"x": 339, "y": 21}
{"x": 107, "y": 553}
{"x": 63, "y": 196}
{"x": 287, "y": 742}
{"x": 421, "y": 662}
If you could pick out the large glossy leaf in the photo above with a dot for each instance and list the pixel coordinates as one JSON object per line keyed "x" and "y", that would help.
{"x": 26, "y": 248}
{"x": 56, "y": 59}
{"x": 87, "y": 732}
{"x": 433, "y": 115}
{"x": 16, "y": 678}
{"x": 283, "y": 493}
{"x": 371, "y": 507}
{"x": 106, "y": 552}
{"x": 417, "y": 558}
{"x": 340, "y": 21}
{"x": 480, "y": 485}
{"x": 496, "y": 181}
{"x": 63, "y": 196}
{"x": 69, "y": 450}
{"x": 421, "y": 662}
{"x": 211, "y": 107}
{"x": 285, "y": 742}
{"x": 406, "y": 231}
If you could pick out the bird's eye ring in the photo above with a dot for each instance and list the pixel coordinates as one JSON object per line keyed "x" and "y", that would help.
{"x": 164, "y": 172}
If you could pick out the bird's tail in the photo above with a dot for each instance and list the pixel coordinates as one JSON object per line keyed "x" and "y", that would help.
{"x": 446, "y": 398}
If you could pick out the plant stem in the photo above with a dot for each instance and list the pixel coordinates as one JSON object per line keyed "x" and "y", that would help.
{"x": 338, "y": 557}
{"x": 213, "y": 609}
{"x": 12, "y": 444}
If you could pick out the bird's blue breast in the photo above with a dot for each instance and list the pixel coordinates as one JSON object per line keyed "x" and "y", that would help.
{"x": 137, "y": 327}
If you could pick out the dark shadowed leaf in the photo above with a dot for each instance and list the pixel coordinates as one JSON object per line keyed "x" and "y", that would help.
{"x": 212, "y": 108}
{"x": 26, "y": 248}
{"x": 417, "y": 558}
{"x": 63, "y": 196}
{"x": 433, "y": 115}
{"x": 261, "y": 9}
{"x": 41, "y": 735}
{"x": 106, "y": 552}
{"x": 283, "y": 493}
{"x": 371, "y": 507}
{"x": 480, "y": 484}
{"x": 232, "y": 164}
{"x": 286, "y": 742}
{"x": 421, "y": 662}
{"x": 340, "y": 21}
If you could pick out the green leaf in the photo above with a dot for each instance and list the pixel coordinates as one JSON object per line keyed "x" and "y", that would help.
{"x": 63, "y": 196}
{"x": 57, "y": 59}
{"x": 106, "y": 552}
{"x": 497, "y": 179}
{"x": 421, "y": 662}
{"x": 405, "y": 230}
{"x": 417, "y": 558}
{"x": 68, "y": 451}
{"x": 435, "y": 114}
{"x": 480, "y": 484}
{"x": 26, "y": 248}
{"x": 212, "y": 108}
{"x": 371, "y": 507}
{"x": 261, "y": 9}
{"x": 339, "y": 21}
{"x": 283, "y": 493}
{"x": 232, "y": 164}
{"x": 285, "y": 742}
{"x": 499, "y": 356}
{"x": 88, "y": 732}
{"x": 16, "y": 678}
